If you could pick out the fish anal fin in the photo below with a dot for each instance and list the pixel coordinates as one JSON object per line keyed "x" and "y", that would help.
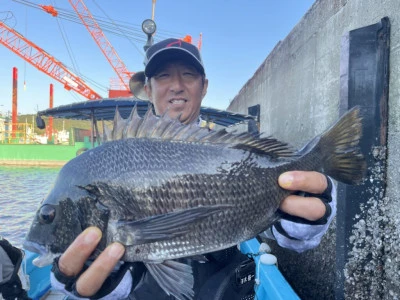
{"x": 174, "y": 278}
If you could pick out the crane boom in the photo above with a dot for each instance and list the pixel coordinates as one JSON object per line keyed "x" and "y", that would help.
{"x": 101, "y": 40}
{"x": 43, "y": 61}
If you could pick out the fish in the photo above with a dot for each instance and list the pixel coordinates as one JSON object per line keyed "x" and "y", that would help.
{"x": 167, "y": 190}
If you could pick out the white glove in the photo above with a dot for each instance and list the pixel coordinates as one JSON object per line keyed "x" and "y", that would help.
{"x": 299, "y": 234}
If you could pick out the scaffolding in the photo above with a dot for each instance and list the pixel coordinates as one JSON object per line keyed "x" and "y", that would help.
{"x": 16, "y": 133}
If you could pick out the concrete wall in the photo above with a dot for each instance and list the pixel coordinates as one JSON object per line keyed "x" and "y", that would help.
{"x": 298, "y": 89}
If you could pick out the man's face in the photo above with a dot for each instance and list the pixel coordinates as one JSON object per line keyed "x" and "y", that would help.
{"x": 178, "y": 88}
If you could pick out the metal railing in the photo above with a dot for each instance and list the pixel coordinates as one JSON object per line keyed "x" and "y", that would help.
{"x": 16, "y": 133}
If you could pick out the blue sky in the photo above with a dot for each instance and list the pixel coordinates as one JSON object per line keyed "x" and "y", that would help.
{"x": 237, "y": 37}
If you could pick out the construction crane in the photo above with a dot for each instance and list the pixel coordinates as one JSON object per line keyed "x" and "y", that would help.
{"x": 43, "y": 61}
{"x": 105, "y": 46}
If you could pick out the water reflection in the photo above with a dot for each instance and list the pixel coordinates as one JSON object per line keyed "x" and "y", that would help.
{"x": 21, "y": 190}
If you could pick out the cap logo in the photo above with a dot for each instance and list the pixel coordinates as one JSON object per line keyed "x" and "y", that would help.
{"x": 174, "y": 43}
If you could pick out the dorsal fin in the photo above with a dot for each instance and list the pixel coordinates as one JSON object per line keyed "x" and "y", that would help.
{"x": 134, "y": 122}
{"x": 148, "y": 125}
{"x": 119, "y": 125}
{"x": 167, "y": 128}
{"x": 106, "y": 133}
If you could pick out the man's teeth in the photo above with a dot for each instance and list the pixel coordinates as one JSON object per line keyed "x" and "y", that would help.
{"x": 178, "y": 101}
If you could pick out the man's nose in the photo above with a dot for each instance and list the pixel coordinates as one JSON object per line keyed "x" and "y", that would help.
{"x": 176, "y": 84}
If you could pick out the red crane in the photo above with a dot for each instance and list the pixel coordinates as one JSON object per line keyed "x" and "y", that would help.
{"x": 104, "y": 45}
{"x": 43, "y": 61}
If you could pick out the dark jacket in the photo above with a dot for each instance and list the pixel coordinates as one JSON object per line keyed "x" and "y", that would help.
{"x": 12, "y": 289}
{"x": 217, "y": 279}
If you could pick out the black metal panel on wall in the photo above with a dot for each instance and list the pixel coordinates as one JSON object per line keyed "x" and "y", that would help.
{"x": 254, "y": 125}
{"x": 364, "y": 82}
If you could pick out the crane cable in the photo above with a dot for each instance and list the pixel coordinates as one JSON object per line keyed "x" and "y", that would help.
{"x": 118, "y": 27}
{"x": 121, "y": 28}
{"x": 68, "y": 45}
{"x": 72, "y": 17}
{"x": 124, "y": 29}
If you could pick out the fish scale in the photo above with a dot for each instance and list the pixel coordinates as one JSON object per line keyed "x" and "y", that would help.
{"x": 242, "y": 215}
{"x": 166, "y": 190}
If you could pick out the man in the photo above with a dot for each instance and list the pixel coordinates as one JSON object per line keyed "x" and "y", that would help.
{"x": 10, "y": 261}
{"x": 176, "y": 84}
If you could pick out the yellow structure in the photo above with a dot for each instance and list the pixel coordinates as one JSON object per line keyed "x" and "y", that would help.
{"x": 16, "y": 133}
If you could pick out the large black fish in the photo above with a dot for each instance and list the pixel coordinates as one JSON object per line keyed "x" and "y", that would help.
{"x": 167, "y": 190}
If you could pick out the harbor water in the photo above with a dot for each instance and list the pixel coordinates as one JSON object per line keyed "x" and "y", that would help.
{"x": 21, "y": 190}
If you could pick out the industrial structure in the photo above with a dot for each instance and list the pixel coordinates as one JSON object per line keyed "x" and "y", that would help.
{"x": 50, "y": 65}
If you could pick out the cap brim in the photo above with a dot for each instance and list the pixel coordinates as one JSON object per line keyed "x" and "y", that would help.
{"x": 170, "y": 54}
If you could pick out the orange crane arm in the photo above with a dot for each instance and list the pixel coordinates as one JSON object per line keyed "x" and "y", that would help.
{"x": 43, "y": 61}
{"x": 101, "y": 40}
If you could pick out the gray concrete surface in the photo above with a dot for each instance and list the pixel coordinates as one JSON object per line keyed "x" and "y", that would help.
{"x": 298, "y": 88}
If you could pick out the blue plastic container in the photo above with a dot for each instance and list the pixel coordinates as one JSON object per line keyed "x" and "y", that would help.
{"x": 39, "y": 278}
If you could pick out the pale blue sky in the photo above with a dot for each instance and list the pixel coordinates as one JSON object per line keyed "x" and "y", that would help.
{"x": 237, "y": 37}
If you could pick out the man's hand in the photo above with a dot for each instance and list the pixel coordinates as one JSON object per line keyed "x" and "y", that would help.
{"x": 309, "y": 208}
{"x": 72, "y": 260}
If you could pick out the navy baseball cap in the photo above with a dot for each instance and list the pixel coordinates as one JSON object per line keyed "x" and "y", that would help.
{"x": 171, "y": 49}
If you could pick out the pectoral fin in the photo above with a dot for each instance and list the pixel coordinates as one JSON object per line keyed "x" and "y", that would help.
{"x": 163, "y": 227}
{"x": 174, "y": 278}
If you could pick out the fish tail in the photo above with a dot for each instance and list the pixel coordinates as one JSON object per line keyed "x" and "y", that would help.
{"x": 342, "y": 158}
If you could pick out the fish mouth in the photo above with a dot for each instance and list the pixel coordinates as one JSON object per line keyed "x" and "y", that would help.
{"x": 45, "y": 257}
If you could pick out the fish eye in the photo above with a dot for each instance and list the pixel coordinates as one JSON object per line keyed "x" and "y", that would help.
{"x": 46, "y": 214}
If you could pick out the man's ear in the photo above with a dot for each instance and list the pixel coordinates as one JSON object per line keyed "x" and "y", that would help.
{"x": 147, "y": 89}
{"x": 205, "y": 86}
